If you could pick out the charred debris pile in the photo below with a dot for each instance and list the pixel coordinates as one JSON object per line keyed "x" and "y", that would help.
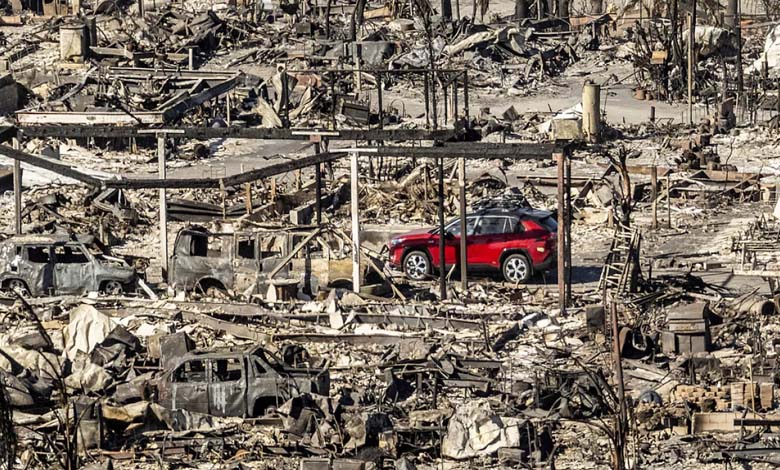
{"x": 235, "y": 235}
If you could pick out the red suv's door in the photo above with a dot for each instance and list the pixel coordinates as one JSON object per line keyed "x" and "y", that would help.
{"x": 493, "y": 234}
{"x": 451, "y": 242}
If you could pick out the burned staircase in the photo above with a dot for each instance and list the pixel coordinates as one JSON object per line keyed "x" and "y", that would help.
{"x": 621, "y": 268}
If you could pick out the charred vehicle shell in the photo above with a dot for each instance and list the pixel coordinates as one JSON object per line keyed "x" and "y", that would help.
{"x": 244, "y": 383}
{"x": 251, "y": 261}
{"x": 51, "y": 264}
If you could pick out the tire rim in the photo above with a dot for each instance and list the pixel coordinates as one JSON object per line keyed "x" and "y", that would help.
{"x": 416, "y": 266}
{"x": 17, "y": 286}
{"x": 113, "y": 288}
{"x": 515, "y": 270}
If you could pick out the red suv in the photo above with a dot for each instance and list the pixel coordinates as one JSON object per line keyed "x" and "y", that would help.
{"x": 517, "y": 242}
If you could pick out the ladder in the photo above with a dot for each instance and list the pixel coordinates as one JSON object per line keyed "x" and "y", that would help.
{"x": 621, "y": 260}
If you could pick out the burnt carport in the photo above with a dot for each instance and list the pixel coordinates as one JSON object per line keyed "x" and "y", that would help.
{"x": 460, "y": 150}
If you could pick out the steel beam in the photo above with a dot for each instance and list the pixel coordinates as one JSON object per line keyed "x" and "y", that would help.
{"x": 83, "y": 131}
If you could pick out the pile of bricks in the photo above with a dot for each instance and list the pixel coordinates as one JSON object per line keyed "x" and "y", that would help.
{"x": 749, "y": 395}
{"x": 710, "y": 398}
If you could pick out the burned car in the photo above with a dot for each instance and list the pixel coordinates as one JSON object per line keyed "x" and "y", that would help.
{"x": 62, "y": 264}
{"x": 245, "y": 383}
{"x": 249, "y": 262}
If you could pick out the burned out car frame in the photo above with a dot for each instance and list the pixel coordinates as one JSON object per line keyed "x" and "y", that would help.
{"x": 252, "y": 260}
{"x": 245, "y": 383}
{"x": 45, "y": 264}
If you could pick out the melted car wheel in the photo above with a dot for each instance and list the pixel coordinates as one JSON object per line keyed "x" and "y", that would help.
{"x": 112, "y": 287}
{"x": 18, "y": 286}
{"x": 416, "y": 265}
{"x": 516, "y": 269}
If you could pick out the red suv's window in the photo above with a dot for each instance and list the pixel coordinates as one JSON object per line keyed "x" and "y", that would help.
{"x": 454, "y": 228}
{"x": 494, "y": 225}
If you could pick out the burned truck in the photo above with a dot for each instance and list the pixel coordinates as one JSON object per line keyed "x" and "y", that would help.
{"x": 250, "y": 262}
{"x": 62, "y": 264}
{"x": 245, "y": 383}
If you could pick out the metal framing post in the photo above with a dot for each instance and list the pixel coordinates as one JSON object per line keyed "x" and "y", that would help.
{"x": 163, "y": 209}
{"x": 669, "y": 200}
{"x": 618, "y": 366}
{"x": 654, "y": 190}
{"x": 466, "y": 98}
{"x": 318, "y": 187}
{"x": 560, "y": 160}
{"x": 442, "y": 264}
{"x": 354, "y": 190}
{"x": 464, "y": 283}
{"x": 567, "y": 190}
{"x": 17, "y": 189}
{"x": 691, "y": 42}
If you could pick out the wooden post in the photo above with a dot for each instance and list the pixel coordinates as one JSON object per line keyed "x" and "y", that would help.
{"x": 353, "y": 178}
{"x": 654, "y": 188}
{"x": 464, "y": 283}
{"x": 560, "y": 160}
{"x": 273, "y": 189}
{"x": 163, "y": 207}
{"x": 248, "y": 190}
{"x": 17, "y": 189}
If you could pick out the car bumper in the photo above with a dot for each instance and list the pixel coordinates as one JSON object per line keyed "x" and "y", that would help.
{"x": 547, "y": 264}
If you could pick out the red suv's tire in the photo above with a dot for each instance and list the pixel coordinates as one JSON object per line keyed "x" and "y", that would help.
{"x": 516, "y": 269}
{"x": 416, "y": 265}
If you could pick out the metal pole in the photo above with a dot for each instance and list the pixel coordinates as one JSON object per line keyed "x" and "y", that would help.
{"x": 740, "y": 79}
{"x": 466, "y": 98}
{"x": 353, "y": 177}
{"x": 568, "y": 232}
{"x": 654, "y": 190}
{"x": 318, "y": 187}
{"x": 691, "y": 41}
{"x": 17, "y": 189}
{"x": 163, "y": 208}
{"x": 379, "y": 101}
{"x": 464, "y": 283}
{"x": 618, "y": 365}
{"x": 560, "y": 160}
{"x": 668, "y": 200}
{"x": 442, "y": 264}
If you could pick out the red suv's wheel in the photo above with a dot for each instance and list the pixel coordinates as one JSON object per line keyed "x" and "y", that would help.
{"x": 516, "y": 269}
{"x": 416, "y": 265}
